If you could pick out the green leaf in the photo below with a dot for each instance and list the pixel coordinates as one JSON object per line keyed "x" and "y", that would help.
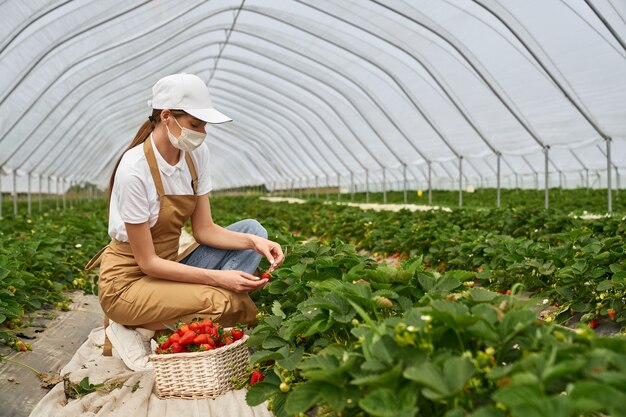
{"x": 292, "y": 361}
{"x": 457, "y": 371}
{"x": 428, "y": 375}
{"x": 304, "y": 396}
{"x": 260, "y": 392}
{"x": 277, "y": 310}
{"x": 384, "y": 402}
{"x": 274, "y": 342}
{"x": 481, "y": 295}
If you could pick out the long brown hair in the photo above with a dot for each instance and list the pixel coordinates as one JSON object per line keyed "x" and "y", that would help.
{"x": 142, "y": 134}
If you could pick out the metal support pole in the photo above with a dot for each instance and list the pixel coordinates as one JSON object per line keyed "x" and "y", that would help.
{"x": 338, "y": 187}
{"x": 617, "y": 182}
{"x": 40, "y": 193}
{"x": 1, "y": 194}
{"x": 367, "y": 186}
{"x": 430, "y": 184}
{"x": 327, "y": 187}
{"x": 57, "y": 193}
{"x": 498, "y": 156}
{"x": 608, "y": 176}
{"x": 460, "y": 181}
{"x": 587, "y": 174}
{"x": 404, "y": 187}
{"x": 317, "y": 190}
{"x": 351, "y": 186}
{"x": 64, "y": 196}
{"x": 308, "y": 189}
{"x": 28, "y": 196}
{"x": 384, "y": 185}
{"x": 547, "y": 197}
{"x": 14, "y": 193}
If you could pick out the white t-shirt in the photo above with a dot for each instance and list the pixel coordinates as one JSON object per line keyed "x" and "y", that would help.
{"x": 134, "y": 198}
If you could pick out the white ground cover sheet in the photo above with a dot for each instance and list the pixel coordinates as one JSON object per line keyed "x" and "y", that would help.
{"x": 130, "y": 400}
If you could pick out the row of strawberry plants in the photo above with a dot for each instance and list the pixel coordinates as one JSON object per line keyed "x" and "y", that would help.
{"x": 340, "y": 334}
{"x": 43, "y": 256}
{"x": 574, "y": 200}
{"x": 578, "y": 264}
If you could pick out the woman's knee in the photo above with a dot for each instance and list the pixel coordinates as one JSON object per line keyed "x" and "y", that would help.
{"x": 251, "y": 226}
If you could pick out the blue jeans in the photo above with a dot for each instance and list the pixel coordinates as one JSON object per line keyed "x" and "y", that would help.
{"x": 239, "y": 260}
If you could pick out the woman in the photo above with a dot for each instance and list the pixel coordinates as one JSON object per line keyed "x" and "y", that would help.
{"x": 160, "y": 182}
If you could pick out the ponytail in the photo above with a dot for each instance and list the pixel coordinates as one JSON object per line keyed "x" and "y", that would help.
{"x": 142, "y": 134}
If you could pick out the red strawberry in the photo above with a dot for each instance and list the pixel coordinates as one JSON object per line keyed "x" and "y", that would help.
{"x": 201, "y": 339}
{"x": 213, "y": 332}
{"x": 166, "y": 344}
{"x": 195, "y": 326}
{"x": 266, "y": 275}
{"x": 183, "y": 329}
{"x": 177, "y": 347}
{"x": 228, "y": 340}
{"x": 20, "y": 346}
{"x": 174, "y": 338}
{"x": 204, "y": 347}
{"x": 612, "y": 313}
{"x": 508, "y": 292}
{"x": 593, "y": 323}
{"x": 188, "y": 337}
{"x": 236, "y": 333}
{"x": 257, "y": 376}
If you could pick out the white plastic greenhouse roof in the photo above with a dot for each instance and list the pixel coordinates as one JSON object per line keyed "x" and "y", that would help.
{"x": 323, "y": 91}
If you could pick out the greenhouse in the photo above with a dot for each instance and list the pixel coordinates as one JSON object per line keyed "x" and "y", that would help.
{"x": 313, "y": 208}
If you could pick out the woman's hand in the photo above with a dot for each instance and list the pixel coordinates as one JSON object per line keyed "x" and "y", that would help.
{"x": 236, "y": 281}
{"x": 271, "y": 250}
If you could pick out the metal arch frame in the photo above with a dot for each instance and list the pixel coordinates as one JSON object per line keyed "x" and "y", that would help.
{"x": 270, "y": 73}
{"x": 290, "y": 121}
{"x": 231, "y": 151}
{"x": 584, "y": 114}
{"x": 95, "y": 54}
{"x": 97, "y": 87}
{"x": 240, "y": 61}
{"x": 27, "y": 72}
{"x": 278, "y": 127}
{"x": 360, "y": 87}
{"x": 470, "y": 62}
{"x": 87, "y": 161}
{"x": 233, "y": 137}
{"x": 606, "y": 24}
{"x": 372, "y": 63}
{"x": 218, "y": 12}
{"x": 249, "y": 143}
{"x": 28, "y": 23}
{"x": 261, "y": 106}
{"x": 547, "y": 72}
{"x": 287, "y": 109}
{"x": 431, "y": 73}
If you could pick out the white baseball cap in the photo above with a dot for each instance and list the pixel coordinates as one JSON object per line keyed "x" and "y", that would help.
{"x": 186, "y": 92}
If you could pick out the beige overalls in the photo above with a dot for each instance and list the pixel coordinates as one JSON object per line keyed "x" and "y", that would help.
{"x": 130, "y": 297}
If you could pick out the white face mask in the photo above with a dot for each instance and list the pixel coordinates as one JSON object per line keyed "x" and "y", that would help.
{"x": 188, "y": 139}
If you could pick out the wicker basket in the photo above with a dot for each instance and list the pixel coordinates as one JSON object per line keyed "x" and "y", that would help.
{"x": 206, "y": 374}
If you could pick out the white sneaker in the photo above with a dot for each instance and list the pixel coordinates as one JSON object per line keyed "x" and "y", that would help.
{"x": 133, "y": 346}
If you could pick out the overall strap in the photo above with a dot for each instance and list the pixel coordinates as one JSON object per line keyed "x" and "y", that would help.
{"x": 192, "y": 171}
{"x": 154, "y": 167}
